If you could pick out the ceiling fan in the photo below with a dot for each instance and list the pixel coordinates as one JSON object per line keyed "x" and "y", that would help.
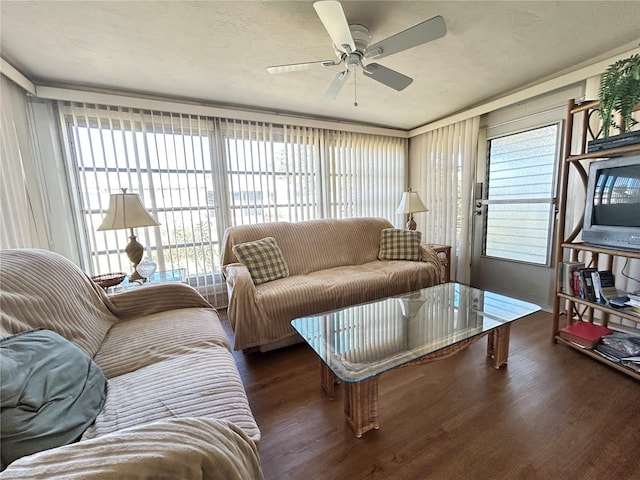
{"x": 352, "y": 46}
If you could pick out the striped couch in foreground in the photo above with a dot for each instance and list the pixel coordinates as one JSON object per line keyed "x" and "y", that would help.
{"x": 175, "y": 405}
{"x": 325, "y": 265}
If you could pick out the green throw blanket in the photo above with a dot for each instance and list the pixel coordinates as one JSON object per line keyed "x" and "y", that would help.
{"x": 51, "y": 392}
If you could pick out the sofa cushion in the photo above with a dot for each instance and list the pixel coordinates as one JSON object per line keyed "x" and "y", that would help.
{"x": 301, "y": 295}
{"x": 142, "y": 341}
{"x": 203, "y": 382}
{"x": 51, "y": 392}
{"x": 397, "y": 244}
{"x": 263, "y": 258}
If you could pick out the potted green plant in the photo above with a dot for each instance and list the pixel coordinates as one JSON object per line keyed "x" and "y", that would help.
{"x": 620, "y": 93}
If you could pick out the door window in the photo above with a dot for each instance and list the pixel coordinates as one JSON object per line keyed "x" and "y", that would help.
{"x": 520, "y": 195}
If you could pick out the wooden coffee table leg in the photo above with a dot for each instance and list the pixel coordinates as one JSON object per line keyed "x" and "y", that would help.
{"x": 361, "y": 405}
{"x": 498, "y": 345}
{"x": 328, "y": 380}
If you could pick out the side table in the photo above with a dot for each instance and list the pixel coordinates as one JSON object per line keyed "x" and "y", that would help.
{"x": 444, "y": 254}
{"x": 168, "y": 276}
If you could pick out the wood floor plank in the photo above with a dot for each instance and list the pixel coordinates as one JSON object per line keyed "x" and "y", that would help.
{"x": 550, "y": 414}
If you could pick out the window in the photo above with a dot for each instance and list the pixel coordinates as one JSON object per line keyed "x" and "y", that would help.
{"x": 170, "y": 166}
{"x": 520, "y": 200}
{"x": 272, "y": 172}
{"x": 198, "y": 175}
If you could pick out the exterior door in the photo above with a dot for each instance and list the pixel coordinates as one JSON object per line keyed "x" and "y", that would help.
{"x": 513, "y": 226}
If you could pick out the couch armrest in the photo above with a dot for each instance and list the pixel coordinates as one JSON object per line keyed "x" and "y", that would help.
{"x": 188, "y": 448}
{"x": 243, "y": 304}
{"x": 238, "y": 274}
{"x": 154, "y": 299}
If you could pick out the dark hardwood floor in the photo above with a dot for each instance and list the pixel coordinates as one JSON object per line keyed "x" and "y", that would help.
{"x": 552, "y": 413}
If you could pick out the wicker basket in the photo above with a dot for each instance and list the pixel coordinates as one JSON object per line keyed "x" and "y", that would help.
{"x": 109, "y": 279}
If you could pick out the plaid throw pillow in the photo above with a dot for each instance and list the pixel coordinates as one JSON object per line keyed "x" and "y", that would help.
{"x": 396, "y": 244}
{"x": 263, "y": 258}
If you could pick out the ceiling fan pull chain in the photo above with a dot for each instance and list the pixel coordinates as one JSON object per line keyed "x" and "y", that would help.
{"x": 355, "y": 87}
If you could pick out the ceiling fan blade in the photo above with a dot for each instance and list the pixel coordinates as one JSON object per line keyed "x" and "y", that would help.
{"x": 388, "y": 77}
{"x": 337, "y": 85}
{"x": 294, "y": 67}
{"x": 424, "y": 32}
{"x": 335, "y": 23}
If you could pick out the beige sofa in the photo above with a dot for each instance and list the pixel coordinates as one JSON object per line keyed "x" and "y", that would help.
{"x": 175, "y": 405}
{"x": 331, "y": 264}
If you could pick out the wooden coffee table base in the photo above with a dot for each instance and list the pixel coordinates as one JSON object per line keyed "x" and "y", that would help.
{"x": 361, "y": 398}
{"x": 361, "y": 405}
{"x": 498, "y": 345}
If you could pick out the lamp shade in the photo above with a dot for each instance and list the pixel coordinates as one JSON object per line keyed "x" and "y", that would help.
{"x": 126, "y": 211}
{"x": 410, "y": 203}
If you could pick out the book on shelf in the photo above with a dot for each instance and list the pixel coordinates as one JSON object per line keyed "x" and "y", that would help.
{"x": 585, "y": 334}
{"x": 595, "y": 278}
{"x": 566, "y": 275}
{"x": 587, "y": 292}
{"x": 632, "y": 302}
{"x": 607, "y": 285}
{"x": 576, "y": 284}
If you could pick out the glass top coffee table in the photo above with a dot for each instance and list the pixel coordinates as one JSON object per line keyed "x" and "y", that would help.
{"x": 358, "y": 343}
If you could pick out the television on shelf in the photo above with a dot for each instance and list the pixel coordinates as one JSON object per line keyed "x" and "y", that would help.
{"x": 612, "y": 212}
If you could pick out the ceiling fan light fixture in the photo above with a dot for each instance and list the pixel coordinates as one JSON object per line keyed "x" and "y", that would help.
{"x": 352, "y": 61}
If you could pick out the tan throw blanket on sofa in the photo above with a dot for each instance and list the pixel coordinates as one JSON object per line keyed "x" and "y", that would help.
{"x": 331, "y": 264}
{"x": 185, "y": 449}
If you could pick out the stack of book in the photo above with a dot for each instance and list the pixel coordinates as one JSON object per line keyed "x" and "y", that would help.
{"x": 634, "y": 302}
{"x": 622, "y": 348}
{"x": 584, "y": 334}
{"x": 591, "y": 284}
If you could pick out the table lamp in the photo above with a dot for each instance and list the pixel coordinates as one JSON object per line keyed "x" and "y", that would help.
{"x": 410, "y": 203}
{"x": 126, "y": 211}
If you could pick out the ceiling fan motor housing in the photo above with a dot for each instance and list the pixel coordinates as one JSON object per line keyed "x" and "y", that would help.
{"x": 361, "y": 39}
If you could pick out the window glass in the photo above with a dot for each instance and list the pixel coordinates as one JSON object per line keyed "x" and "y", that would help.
{"x": 520, "y": 202}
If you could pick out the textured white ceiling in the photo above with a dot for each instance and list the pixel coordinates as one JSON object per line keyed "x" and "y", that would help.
{"x": 217, "y": 52}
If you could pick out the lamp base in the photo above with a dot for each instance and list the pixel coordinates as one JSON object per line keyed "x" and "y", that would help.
{"x": 411, "y": 224}
{"x": 134, "y": 251}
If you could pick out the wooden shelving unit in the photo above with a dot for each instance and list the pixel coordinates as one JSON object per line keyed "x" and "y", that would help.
{"x": 580, "y": 116}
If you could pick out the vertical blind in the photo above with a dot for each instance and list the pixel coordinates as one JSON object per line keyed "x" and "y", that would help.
{"x": 23, "y": 221}
{"x": 198, "y": 175}
{"x": 445, "y": 183}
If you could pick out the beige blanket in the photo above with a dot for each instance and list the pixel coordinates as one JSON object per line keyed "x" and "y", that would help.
{"x": 184, "y": 449}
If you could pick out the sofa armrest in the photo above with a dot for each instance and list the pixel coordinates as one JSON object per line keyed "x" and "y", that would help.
{"x": 243, "y": 305}
{"x": 237, "y": 274}
{"x": 154, "y": 299}
{"x": 189, "y": 448}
